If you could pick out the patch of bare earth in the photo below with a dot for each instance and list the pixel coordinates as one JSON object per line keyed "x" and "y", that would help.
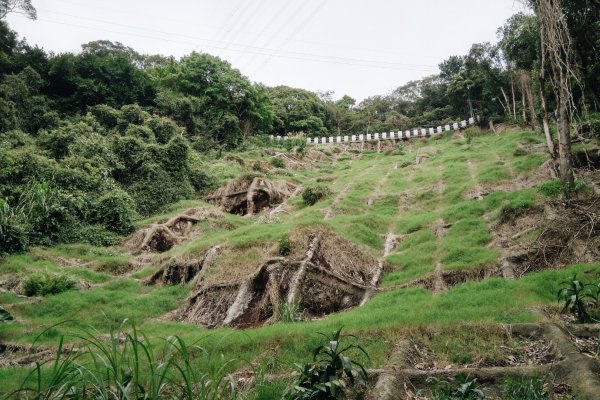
{"x": 251, "y": 195}
{"x": 323, "y": 274}
{"x": 560, "y": 233}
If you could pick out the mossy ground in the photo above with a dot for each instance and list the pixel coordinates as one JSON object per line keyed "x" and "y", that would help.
{"x": 410, "y": 200}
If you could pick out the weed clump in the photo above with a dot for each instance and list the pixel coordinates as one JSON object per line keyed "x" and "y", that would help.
{"x": 277, "y": 163}
{"x": 522, "y": 388}
{"x": 315, "y": 193}
{"x": 47, "y": 284}
{"x": 285, "y": 246}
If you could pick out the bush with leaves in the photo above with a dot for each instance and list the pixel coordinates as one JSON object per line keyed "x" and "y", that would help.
{"x": 126, "y": 364}
{"x": 332, "y": 374}
{"x": 46, "y": 284}
{"x": 312, "y": 194}
{"x": 577, "y": 297}
{"x": 115, "y": 211}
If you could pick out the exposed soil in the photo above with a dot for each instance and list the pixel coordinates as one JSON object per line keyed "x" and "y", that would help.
{"x": 561, "y": 233}
{"x": 164, "y": 235}
{"x": 251, "y": 195}
{"x": 179, "y": 270}
{"x": 329, "y": 275}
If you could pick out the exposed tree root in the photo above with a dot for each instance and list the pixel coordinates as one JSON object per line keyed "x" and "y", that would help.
{"x": 163, "y": 236}
{"x": 321, "y": 282}
{"x": 401, "y": 380}
{"x": 251, "y": 195}
{"x": 559, "y": 234}
{"x": 178, "y": 271}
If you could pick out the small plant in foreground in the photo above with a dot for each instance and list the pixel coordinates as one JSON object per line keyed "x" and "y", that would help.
{"x": 524, "y": 388}
{"x": 464, "y": 389}
{"x": 125, "y": 364}
{"x": 5, "y": 316}
{"x": 285, "y": 246}
{"x": 577, "y": 297}
{"x": 331, "y": 374}
{"x": 315, "y": 193}
{"x": 45, "y": 284}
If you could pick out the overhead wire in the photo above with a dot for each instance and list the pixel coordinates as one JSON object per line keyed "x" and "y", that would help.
{"x": 283, "y": 24}
{"x": 269, "y": 52}
{"x": 294, "y": 33}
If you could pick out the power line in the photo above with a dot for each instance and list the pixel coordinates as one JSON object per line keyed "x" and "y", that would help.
{"x": 237, "y": 15}
{"x": 291, "y": 56}
{"x": 245, "y": 49}
{"x": 294, "y": 33}
{"x": 283, "y": 25}
{"x": 266, "y": 26}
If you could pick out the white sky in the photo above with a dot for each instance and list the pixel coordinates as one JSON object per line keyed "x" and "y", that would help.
{"x": 355, "y": 47}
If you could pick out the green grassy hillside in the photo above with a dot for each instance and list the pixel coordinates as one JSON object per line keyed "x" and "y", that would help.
{"x": 442, "y": 283}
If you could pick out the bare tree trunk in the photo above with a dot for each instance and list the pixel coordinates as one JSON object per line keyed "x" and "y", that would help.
{"x": 514, "y": 101}
{"x": 506, "y": 104}
{"x": 564, "y": 135}
{"x": 526, "y": 82}
{"x": 545, "y": 119}
{"x": 557, "y": 48}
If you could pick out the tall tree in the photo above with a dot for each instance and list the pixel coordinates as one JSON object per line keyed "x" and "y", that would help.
{"x": 557, "y": 48}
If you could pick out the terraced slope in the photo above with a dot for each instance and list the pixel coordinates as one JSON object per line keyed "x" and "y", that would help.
{"x": 421, "y": 252}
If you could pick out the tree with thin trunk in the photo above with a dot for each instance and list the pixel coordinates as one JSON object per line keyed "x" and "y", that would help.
{"x": 557, "y": 49}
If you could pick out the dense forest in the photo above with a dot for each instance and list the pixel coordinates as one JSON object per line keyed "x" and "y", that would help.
{"x": 90, "y": 141}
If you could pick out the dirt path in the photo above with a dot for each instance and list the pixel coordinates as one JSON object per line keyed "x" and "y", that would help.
{"x": 329, "y": 212}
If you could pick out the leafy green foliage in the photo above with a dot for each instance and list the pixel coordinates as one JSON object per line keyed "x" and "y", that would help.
{"x": 463, "y": 389}
{"x": 285, "y": 246}
{"x": 523, "y": 388}
{"x": 125, "y": 364}
{"x": 331, "y": 374}
{"x": 47, "y": 284}
{"x": 577, "y": 296}
{"x": 312, "y": 194}
{"x": 5, "y": 316}
{"x": 289, "y": 313}
{"x": 277, "y": 162}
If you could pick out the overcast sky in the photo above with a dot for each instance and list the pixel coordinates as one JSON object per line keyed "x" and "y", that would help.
{"x": 355, "y": 47}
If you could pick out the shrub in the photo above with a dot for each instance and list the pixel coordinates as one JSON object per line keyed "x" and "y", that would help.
{"x": 46, "y": 284}
{"x": 285, "y": 246}
{"x": 520, "y": 152}
{"x": 13, "y": 234}
{"x": 556, "y": 188}
{"x": 115, "y": 211}
{"x": 164, "y": 129}
{"x": 332, "y": 373}
{"x": 277, "y": 162}
{"x": 105, "y": 115}
{"x": 577, "y": 296}
{"x": 132, "y": 114}
{"x": 315, "y": 193}
{"x": 473, "y": 131}
{"x": 141, "y": 132}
